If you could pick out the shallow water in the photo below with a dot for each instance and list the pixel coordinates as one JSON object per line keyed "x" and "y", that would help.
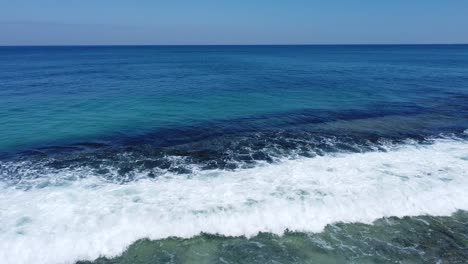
{"x": 422, "y": 239}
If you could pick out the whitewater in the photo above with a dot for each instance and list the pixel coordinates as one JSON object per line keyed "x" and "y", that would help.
{"x": 87, "y": 218}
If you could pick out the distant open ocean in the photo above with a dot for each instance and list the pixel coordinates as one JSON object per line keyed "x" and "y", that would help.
{"x": 234, "y": 154}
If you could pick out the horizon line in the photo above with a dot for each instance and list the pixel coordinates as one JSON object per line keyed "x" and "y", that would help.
{"x": 181, "y": 45}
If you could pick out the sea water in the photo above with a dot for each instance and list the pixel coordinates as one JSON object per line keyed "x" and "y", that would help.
{"x": 234, "y": 154}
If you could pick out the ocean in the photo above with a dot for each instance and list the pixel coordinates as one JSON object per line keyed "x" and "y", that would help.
{"x": 234, "y": 154}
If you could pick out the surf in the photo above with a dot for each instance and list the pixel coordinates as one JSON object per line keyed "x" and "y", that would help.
{"x": 88, "y": 216}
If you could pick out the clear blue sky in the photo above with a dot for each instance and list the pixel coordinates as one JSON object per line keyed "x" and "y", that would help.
{"x": 90, "y": 22}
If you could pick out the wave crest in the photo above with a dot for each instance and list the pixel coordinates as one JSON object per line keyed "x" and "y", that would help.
{"x": 89, "y": 217}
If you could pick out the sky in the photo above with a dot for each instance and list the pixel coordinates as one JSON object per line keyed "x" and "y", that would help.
{"x": 199, "y": 22}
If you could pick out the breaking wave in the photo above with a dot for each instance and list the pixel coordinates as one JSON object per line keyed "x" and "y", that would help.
{"x": 61, "y": 214}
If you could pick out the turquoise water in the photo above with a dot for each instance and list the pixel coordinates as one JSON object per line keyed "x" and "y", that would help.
{"x": 234, "y": 154}
{"x": 69, "y": 94}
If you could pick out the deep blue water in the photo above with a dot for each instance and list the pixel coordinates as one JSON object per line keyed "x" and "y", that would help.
{"x": 75, "y": 119}
{"x": 60, "y": 95}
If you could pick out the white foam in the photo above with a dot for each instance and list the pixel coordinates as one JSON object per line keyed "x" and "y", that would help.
{"x": 91, "y": 217}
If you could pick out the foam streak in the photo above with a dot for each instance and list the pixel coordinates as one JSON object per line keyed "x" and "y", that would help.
{"x": 90, "y": 217}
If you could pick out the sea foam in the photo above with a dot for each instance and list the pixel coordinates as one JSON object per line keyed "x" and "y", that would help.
{"x": 90, "y": 217}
